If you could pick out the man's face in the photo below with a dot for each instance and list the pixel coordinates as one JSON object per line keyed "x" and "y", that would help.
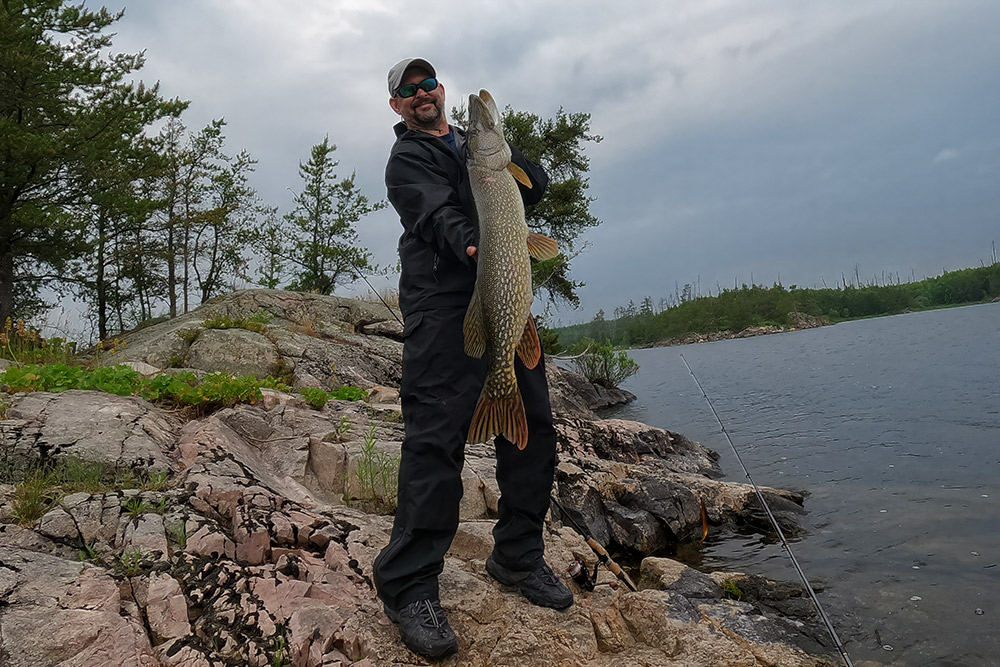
{"x": 425, "y": 110}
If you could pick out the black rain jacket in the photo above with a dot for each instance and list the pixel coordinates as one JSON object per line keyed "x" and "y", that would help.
{"x": 428, "y": 184}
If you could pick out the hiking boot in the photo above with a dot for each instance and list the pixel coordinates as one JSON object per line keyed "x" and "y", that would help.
{"x": 425, "y": 629}
{"x": 541, "y": 586}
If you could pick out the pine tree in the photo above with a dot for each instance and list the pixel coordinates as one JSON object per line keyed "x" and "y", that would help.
{"x": 66, "y": 108}
{"x": 326, "y": 210}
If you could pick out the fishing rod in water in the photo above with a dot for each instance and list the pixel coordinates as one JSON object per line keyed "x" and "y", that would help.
{"x": 774, "y": 523}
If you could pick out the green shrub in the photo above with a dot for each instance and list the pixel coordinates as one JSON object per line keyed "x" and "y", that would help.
{"x": 155, "y": 480}
{"x": 315, "y": 396}
{"x": 73, "y": 475}
{"x": 184, "y": 389}
{"x": 605, "y": 366}
{"x": 377, "y": 473}
{"x": 349, "y": 392}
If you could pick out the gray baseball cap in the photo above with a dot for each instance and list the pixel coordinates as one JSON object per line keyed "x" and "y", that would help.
{"x": 399, "y": 69}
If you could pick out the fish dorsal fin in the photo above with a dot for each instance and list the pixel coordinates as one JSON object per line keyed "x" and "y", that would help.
{"x": 541, "y": 246}
{"x": 519, "y": 175}
{"x": 475, "y": 332}
{"x": 529, "y": 348}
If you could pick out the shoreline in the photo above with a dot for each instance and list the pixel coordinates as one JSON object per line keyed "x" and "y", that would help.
{"x": 801, "y": 322}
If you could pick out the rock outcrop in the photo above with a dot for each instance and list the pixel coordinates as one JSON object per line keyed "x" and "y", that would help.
{"x": 246, "y": 536}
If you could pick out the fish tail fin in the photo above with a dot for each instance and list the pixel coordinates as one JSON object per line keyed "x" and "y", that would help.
{"x": 529, "y": 349}
{"x": 500, "y": 415}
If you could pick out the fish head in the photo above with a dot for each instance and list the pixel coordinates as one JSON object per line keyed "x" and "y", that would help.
{"x": 487, "y": 146}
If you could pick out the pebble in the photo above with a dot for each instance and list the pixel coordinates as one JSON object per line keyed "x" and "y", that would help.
{"x": 916, "y": 598}
{"x": 886, "y": 647}
{"x": 979, "y": 612}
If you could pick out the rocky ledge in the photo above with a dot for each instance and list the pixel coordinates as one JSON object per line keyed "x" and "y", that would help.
{"x": 246, "y": 536}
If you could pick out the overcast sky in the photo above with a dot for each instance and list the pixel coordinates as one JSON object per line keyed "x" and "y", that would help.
{"x": 765, "y": 140}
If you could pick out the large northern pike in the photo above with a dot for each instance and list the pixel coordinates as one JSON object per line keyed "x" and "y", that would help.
{"x": 498, "y": 321}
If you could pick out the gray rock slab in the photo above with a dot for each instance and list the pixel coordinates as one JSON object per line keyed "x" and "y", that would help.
{"x": 121, "y": 431}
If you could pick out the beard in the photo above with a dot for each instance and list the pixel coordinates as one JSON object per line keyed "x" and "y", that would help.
{"x": 428, "y": 117}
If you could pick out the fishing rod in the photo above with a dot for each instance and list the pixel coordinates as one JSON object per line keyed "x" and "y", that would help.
{"x": 577, "y": 571}
{"x": 774, "y": 522}
{"x": 388, "y": 307}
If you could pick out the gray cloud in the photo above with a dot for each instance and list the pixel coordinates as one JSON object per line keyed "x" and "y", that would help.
{"x": 770, "y": 138}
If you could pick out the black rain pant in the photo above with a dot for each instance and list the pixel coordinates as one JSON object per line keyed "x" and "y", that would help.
{"x": 439, "y": 392}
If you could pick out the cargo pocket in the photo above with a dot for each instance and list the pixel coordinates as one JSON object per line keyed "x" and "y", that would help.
{"x": 411, "y": 323}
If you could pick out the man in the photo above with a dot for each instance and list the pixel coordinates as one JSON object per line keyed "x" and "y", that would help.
{"x": 428, "y": 185}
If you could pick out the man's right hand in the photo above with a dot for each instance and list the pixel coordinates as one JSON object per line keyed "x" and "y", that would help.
{"x": 473, "y": 252}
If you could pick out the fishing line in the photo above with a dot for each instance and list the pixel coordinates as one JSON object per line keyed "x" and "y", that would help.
{"x": 774, "y": 523}
{"x": 388, "y": 307}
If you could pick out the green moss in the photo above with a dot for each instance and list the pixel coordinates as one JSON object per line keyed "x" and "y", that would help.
{"x": 731, "y": 589}
{"x": 254, "y": 322}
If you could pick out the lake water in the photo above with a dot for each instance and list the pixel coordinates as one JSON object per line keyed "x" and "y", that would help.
{"x": 893, "y": 427}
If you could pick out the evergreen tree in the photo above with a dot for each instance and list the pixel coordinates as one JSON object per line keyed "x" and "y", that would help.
{"x": 221, "y": 232}
{"x": 117, "y": 208}
{"x": 267, "y": 242}
{"x": 66, "y": 107}
{"x": 192, "y": 169}
{"x": 326, "y": 210}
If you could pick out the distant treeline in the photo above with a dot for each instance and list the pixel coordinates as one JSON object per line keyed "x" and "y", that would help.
{"x": 757, "y": 305}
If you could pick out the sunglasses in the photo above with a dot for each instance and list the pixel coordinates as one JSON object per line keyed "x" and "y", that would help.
{"x": 410, "y": 89}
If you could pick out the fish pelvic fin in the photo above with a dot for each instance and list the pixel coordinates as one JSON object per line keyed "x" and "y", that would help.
{"x": 519, "y": 175}
{"x": 500, "y": 415}
{"x": 541, "y": 246}
{"x": 529, "y": 348}
{"x": 473, "y": 328}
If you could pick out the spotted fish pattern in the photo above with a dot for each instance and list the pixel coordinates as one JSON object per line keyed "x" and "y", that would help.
{"x": 498, "y": 322}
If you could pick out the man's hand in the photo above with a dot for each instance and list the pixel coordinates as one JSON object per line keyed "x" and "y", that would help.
{"x": 473, "y": 252}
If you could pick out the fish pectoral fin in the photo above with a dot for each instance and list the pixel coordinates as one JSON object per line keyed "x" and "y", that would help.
{"x": 472, "y": 327}
{"x": 519, "y": 175}
{"x": 500, "y": 415}
{"x": 541, "y": 246}
{"x": 529, "y": 348}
